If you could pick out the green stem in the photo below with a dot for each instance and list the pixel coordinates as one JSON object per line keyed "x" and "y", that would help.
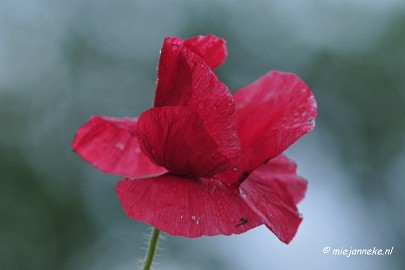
{"x": 150, "y": 252}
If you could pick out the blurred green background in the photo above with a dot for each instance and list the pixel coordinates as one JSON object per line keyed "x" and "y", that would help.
{"x": 63, "y": 61}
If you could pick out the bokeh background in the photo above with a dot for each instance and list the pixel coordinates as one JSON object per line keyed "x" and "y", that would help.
{"x": 63, "y": 61}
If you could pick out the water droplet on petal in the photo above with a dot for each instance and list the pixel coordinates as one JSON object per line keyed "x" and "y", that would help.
{"x": 193, "y": 217}
{"x": 175, "y": 47}
{"x": 214, "y": 107}
{"x": 235, "y": 168}
{"x": 120, "y": 146}
{"x": 137, "y": 150}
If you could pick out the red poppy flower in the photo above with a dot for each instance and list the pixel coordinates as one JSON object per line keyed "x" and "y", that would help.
{"x": 204, "y": 162}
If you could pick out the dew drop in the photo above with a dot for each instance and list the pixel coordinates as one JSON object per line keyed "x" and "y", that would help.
{"x": 175, "y": 47}
{"x": 214, "y": 107}
{"x": 202, "y": 65}
{"x": 235, "y": 168}
{"x": 120, "y": 146}
{"x": 137, "y": 150}
{"x": 193, "y": 217}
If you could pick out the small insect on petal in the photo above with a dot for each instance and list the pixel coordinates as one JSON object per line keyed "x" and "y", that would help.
{"x": 242, "y": 221}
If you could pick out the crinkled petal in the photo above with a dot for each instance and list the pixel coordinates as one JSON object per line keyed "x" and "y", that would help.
{"x": 111, "y": 145}
{"x": 272, "y": 191}
{"x": 184, "y": 79}
{"x": 285, "y": 170}
{"x": 175, "y": 138}
{"x": 185, "y": 206}
{"x": 273, "y": 113}
{"x": 211, "y": 48}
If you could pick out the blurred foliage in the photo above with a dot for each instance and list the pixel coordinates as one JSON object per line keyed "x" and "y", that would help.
{"x": 363, "y": 97}
{"x": 38, "y": 229}
{"x": 63, "y": 61}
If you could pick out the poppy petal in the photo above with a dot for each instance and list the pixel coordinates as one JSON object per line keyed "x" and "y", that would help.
{"x": 111, "y": 145}
{"x": 283, "y": 109}
{"x": 285, "y": 170}
{"x": 175, "y": 138}
{"x": 210, "y": 48}
{"x": 272, "y": 191}
{"x": 184, "y": 79}
{"x": 185, "y": 206}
